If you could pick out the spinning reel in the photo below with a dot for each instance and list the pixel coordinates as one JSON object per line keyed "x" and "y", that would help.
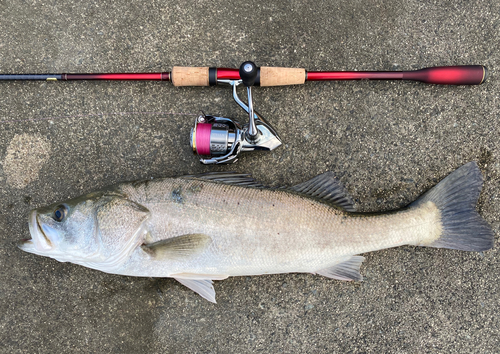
{"x": 220, "y": 140}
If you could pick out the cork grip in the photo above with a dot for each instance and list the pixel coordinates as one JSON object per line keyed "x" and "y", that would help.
{"x": 270, "y": 76}
{"x": 188, "y": 76}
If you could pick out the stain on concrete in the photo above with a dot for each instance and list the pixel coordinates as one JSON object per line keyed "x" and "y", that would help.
{"x": 26, "y": 155}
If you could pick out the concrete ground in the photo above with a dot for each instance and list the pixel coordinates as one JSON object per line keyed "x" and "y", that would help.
{"x": 387, "y": 141}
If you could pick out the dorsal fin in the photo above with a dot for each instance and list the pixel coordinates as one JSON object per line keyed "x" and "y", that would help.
{"x": 324, "y": 187}
{"x": 238, "y": 179}
{"x": 327, "y": 188}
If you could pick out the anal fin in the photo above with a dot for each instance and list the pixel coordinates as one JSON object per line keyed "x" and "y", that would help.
{"x": 345, "y": 270}
{"x": 204, "y": 287}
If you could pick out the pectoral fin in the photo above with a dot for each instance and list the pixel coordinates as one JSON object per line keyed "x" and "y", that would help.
{"x": 346, "y": 270}
{"x": 203, "y": 287}
{"x": 178, "y": 247}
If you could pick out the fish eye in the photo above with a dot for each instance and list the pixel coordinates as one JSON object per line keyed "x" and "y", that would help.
{"x": 60, "y": 213}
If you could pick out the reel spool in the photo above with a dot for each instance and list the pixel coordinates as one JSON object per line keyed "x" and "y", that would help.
{"x": 212, "y": 138}
{"x": 217, "y": 139}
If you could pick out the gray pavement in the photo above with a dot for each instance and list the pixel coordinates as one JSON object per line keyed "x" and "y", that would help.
{"x": 387, "y": 141}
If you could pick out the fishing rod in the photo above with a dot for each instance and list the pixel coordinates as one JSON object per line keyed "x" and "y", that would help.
{"x": 220, "y": 140}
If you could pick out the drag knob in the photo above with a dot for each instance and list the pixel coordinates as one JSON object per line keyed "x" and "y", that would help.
{"x": 249, "y": 73}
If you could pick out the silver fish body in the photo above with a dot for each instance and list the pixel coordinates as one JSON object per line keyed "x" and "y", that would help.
{"x": 202, "y": 228}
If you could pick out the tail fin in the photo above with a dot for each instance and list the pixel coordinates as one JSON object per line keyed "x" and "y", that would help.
{"x": 456, "y": 197}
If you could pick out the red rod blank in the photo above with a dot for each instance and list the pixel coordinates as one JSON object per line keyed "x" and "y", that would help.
{"x": 123, "y": 76}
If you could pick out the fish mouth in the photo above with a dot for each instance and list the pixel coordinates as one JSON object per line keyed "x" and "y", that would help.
{"x": 38, "y": 241}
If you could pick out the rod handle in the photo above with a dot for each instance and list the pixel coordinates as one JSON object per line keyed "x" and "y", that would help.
{"x": 190, "y": 76}
{"x": 449, "y": 75}
{"x": 275, "y": 76}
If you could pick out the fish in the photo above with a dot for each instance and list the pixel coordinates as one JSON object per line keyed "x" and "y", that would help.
{"x": 206, "y": 227}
